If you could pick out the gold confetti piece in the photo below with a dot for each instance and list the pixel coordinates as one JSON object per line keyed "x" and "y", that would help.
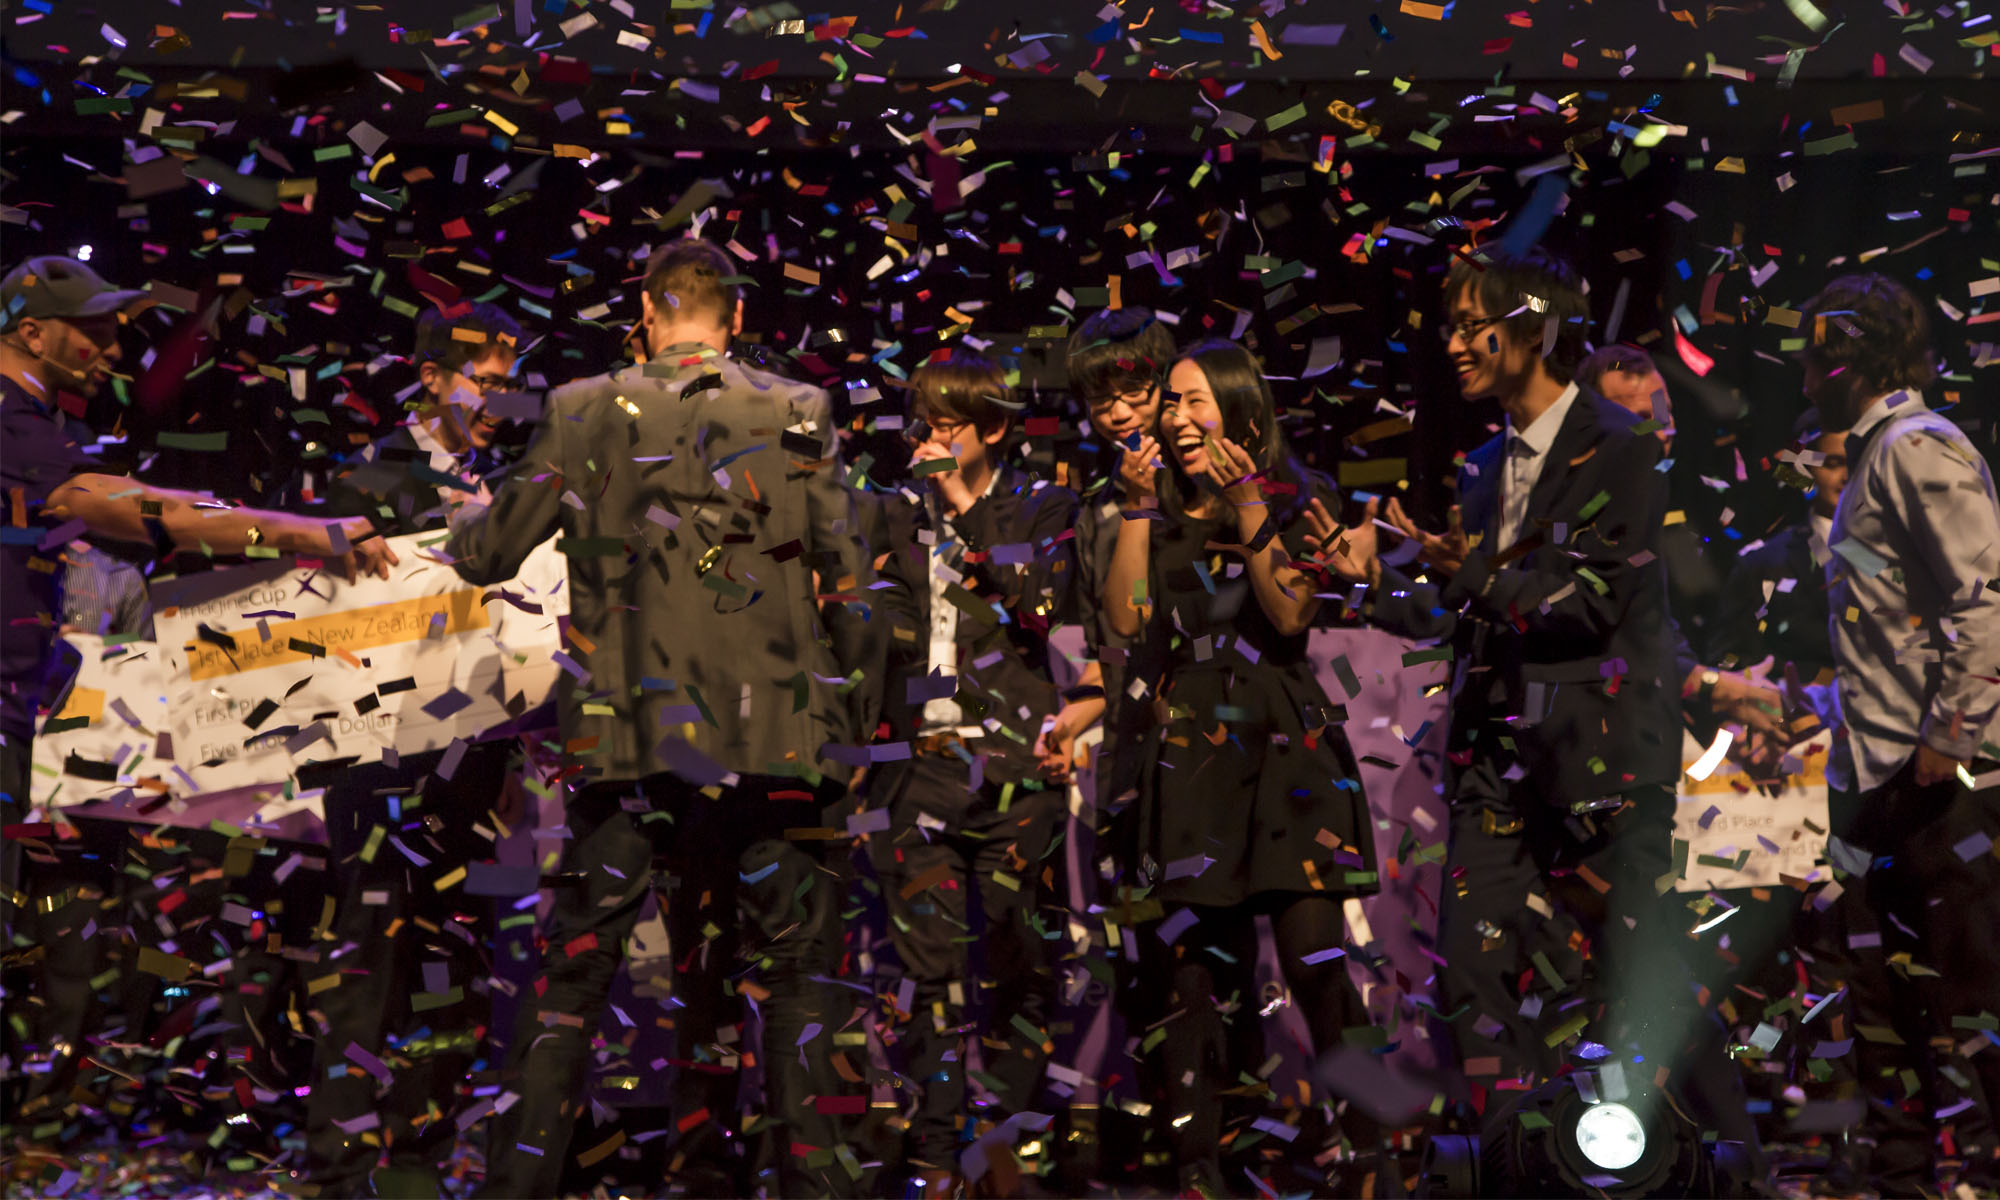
{"x": 171, "y": 967}
{"x": 1263, "y": 41}
{"x": 602, "y": 1150}
{"x": 1854, "y": 114}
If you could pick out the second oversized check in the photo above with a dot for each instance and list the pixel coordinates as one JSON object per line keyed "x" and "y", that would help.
{"x": 271, "y": 665}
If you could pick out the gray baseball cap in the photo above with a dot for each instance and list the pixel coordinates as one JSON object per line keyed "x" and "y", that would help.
{"x": 54, "y": 286}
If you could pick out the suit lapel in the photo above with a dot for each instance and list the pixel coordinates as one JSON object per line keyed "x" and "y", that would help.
{"x": 1579, "y": 434}
{"x": 1479, "y": 492}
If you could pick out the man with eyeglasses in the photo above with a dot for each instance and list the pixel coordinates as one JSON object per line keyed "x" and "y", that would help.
{"x": 1116, "y": 360}
{"x": 1564, "y": 742}
{"x": 404, "y": 951}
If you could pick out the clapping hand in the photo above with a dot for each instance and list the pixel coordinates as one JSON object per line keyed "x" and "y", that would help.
{"x": 1445, "y": 551}
{"x": 1352, "y": 552}
{"x": 1236, "y": 473}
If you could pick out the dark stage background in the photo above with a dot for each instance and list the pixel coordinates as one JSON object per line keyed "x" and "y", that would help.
{"x": 297, "y": 180}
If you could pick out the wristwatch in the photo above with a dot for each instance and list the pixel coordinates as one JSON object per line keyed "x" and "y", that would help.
{"x": 1706, "y": 692}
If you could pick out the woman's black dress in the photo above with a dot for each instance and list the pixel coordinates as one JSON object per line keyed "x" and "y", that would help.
{"x": 1249, "y": 789}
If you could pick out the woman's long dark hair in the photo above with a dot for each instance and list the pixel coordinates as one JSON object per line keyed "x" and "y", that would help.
{"x": 1249, "y": 418}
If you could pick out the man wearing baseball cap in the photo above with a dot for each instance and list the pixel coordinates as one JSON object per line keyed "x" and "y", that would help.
{"x": 59, "y": 328}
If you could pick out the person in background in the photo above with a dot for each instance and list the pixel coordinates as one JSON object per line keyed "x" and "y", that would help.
{"x": 698, "y": 711}
{"x": 1774, "y": 603}
{"x": 1915, "y": 625}
{"x": 103, "y": 596}
{"x": 969, "y": 688}
{"x": 60, "y": 324}
{"x": 1711, "y": 695}
{"x": 1628, "y": 377}
{"x": 1249, "y": 796}
{"x": 1563, "y": 745}
{"x": 400, "y": 986}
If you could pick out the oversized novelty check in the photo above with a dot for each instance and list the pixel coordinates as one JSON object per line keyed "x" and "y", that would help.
{"x": 1741, "y": 836}
{"x": 105, "y": 736}
{"x": 273, "y": 665}
{"x": 107, "y": 751}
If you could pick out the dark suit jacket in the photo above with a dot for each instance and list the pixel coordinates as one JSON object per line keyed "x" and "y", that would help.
{"x": 1016, "y": 554}
{"x": 695, "y": 498}
{"x": 398, "y": 477}
{"x": 1795, "y": 624}
{"x": 1539, "y": 631}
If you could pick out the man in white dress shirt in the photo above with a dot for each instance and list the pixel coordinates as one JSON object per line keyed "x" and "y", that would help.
{"x": 1915, "y": 624}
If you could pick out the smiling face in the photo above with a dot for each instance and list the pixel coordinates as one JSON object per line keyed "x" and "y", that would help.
{"x": 1488, "y": 359}
{"x": 76, "y": 353}
{"x": 460, "y": 396}
{"x": 1129, "y": 410}
{"x": 1190, "y": 416}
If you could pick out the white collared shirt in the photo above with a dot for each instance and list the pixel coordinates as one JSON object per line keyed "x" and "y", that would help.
{"x": 442, "y": 460}
{"x": 942, "y": 713}
{"x": 1522, "y": 457}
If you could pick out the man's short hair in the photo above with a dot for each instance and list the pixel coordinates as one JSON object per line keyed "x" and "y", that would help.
{"x": 1118, "y": 350}
{"x": 444, "y": 334}
{"x": 688, "y": 281}
{"x": 1535, "y": 287}
{"x": 963, "y": 387}
{"x": 1627, "y": 360}
{"x": 1870, "y": 324}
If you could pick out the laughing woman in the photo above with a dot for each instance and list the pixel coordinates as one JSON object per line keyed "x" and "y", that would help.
{"x": 1251, "y": 800}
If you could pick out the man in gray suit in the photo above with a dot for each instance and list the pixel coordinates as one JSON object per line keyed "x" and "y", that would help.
{"x": 697, "y": 501}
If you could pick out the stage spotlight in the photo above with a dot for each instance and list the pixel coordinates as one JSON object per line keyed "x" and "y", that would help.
{"x": 1611, "y": 1136}
{"x": 1564, "y": 1140}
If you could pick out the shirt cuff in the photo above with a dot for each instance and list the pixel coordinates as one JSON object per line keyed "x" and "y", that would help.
{"x": 1936, "y": 733}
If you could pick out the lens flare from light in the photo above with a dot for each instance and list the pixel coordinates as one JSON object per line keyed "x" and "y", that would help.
{"x": 1610, "y": 1136}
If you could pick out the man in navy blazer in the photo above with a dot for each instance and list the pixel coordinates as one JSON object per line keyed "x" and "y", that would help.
{"x": 1565, "y": 740}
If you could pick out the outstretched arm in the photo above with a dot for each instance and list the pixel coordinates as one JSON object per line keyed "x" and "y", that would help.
{"x": 122, "y": 509}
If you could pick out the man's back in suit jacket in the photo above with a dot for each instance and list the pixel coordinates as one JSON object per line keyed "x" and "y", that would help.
{"x": 694, "y": 498}
{"x": 1560, "y": 642}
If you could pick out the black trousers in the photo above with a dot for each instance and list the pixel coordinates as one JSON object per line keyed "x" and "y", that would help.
{"x": 1926, "y": 1053}
{"x": 403, "y": 961}
{"x": 1201, "y": 990}
{"x": 962, "y": 902}
{"x": 1528, "y": 890}
{"x": 750, "y": 909}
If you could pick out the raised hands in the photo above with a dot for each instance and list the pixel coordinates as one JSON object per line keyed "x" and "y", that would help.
{"x": 1352, "y": 552}
{"x": 1235, "y": 473}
